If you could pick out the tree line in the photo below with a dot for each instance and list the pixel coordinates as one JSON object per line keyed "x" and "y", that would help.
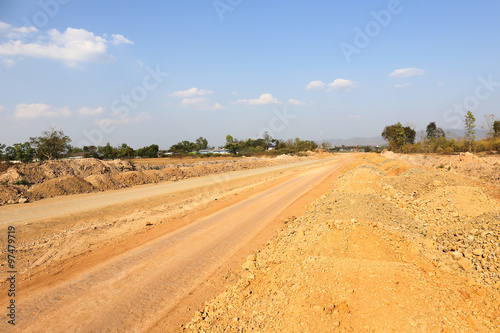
{"x": 54, "y": 144}
{"x": 402, "y": 138}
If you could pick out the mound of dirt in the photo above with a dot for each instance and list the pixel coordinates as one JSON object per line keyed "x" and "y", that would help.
{"x": 410, "y": 252}
{"x": 11, "y": 195}
{"x": 60, "y": 186}
{"x": 65, "y": 177}
{"x": 484, "y": 168}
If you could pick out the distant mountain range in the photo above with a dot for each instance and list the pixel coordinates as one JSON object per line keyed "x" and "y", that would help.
{"x": 374, "y": 141}
{"x": 379, "y": 141}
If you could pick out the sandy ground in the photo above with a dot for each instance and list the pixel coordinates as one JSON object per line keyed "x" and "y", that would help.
{"x": 121, "y": 260}
{"x": 358, "y": 243}
{"x": 391, "y": 249}
{"x": 22, "y": 183}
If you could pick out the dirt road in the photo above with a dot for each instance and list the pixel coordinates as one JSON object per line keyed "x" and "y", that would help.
{"x": 134, "y": 290}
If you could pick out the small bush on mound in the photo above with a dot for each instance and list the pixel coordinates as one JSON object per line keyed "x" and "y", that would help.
{"x": 21, "y": 182}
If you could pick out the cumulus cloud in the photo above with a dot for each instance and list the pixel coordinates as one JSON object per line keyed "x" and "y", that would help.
{"x": 201, "y": 103}
{"x": 118, "y": 39}
{"x": 87, "y": 111}
{"x": 292, "y": 101}
{"x": 33, "y": 111}
{"x": 341, "y": 84}
{"x": 192, "y": 92}
{"x": 402, "y": 85}
{"x": 407, "y": 72}
{"x": 315, "y": 85}
{"x": 72, "y": 46}
{"x": 263, "y": 99}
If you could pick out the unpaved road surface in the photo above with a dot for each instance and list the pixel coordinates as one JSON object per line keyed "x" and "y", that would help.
{"x": 132, "y": 291}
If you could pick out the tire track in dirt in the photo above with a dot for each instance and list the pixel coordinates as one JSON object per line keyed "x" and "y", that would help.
{"x": 133, "y": 291}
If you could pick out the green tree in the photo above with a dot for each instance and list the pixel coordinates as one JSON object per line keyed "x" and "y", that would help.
{"x": 230, "y": 144}
{"x": 496, "y": 128}
{"x": 183, "y": 147}
{"x": 470, "y": 131}
{"x": 125, "y": 151}
{"x": 395, "y": 135}
{"x": 51, "y": 144}
{"x": 2, "y": 152}
{"x": 201, "y": 143}
{"x": 267, "y": 139}
{"x": 21, "y": 152}
{"x": 90, "y": 151}
{"x": 108, "y": 152}
{"x": 433, "y": 131}
{"x": 148, "y": 151}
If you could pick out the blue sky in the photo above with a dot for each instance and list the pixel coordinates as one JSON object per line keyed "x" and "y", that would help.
{"x": 165, "y": 71}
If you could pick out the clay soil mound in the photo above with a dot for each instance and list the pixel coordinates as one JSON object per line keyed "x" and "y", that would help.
{"x": 10, "y": 195}
{"x": 384, "y": 251}
{"x": 61, "y": 186}
{"x": 64, "y": 177}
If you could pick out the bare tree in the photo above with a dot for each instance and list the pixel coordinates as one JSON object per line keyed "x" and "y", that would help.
{"x": 490, "y": 120}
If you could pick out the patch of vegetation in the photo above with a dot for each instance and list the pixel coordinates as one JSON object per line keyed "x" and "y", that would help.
{"x": 21, "y": 182}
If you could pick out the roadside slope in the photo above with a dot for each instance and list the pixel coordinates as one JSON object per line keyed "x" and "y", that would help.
{"x": 402, "y": 253}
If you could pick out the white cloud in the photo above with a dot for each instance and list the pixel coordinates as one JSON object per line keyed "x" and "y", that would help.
{"x": 402, "y": 85}
{"x": 292, "y": 101}
{"x": 193, "y": 101}
{"x": 2, "y": 108}
{"x": 341, "y": 84}
{"x": 407, "y": 72}
{"x": 33, "y": 111}
{"x": 218, "y": 107}
{"x": 354, "y": 116}
{"x": 315, "y": 85}
{"x": 73, "y": 46}
{"x": 201, "y": 103}
{"x": 119, "y": 118}
{"x": 4, "y": 27}
{"x": 118, "y": 39}
{"x": 264, "y": 99}
{"x": 440, "y": 83}
{"x": 191, "y": 92}
{"x": 11, "y": 32}
{"x": 87, "y": 111}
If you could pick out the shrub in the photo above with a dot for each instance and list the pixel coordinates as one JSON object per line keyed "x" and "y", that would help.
{"x": 21, "y": 182}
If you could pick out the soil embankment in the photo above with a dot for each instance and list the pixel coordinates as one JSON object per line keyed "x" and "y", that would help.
{"x": 391, "y": 249}
{"x": 23, "y": 183}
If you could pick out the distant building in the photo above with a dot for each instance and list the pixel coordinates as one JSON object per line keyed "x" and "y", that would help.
{"x": 213, "y": 151}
